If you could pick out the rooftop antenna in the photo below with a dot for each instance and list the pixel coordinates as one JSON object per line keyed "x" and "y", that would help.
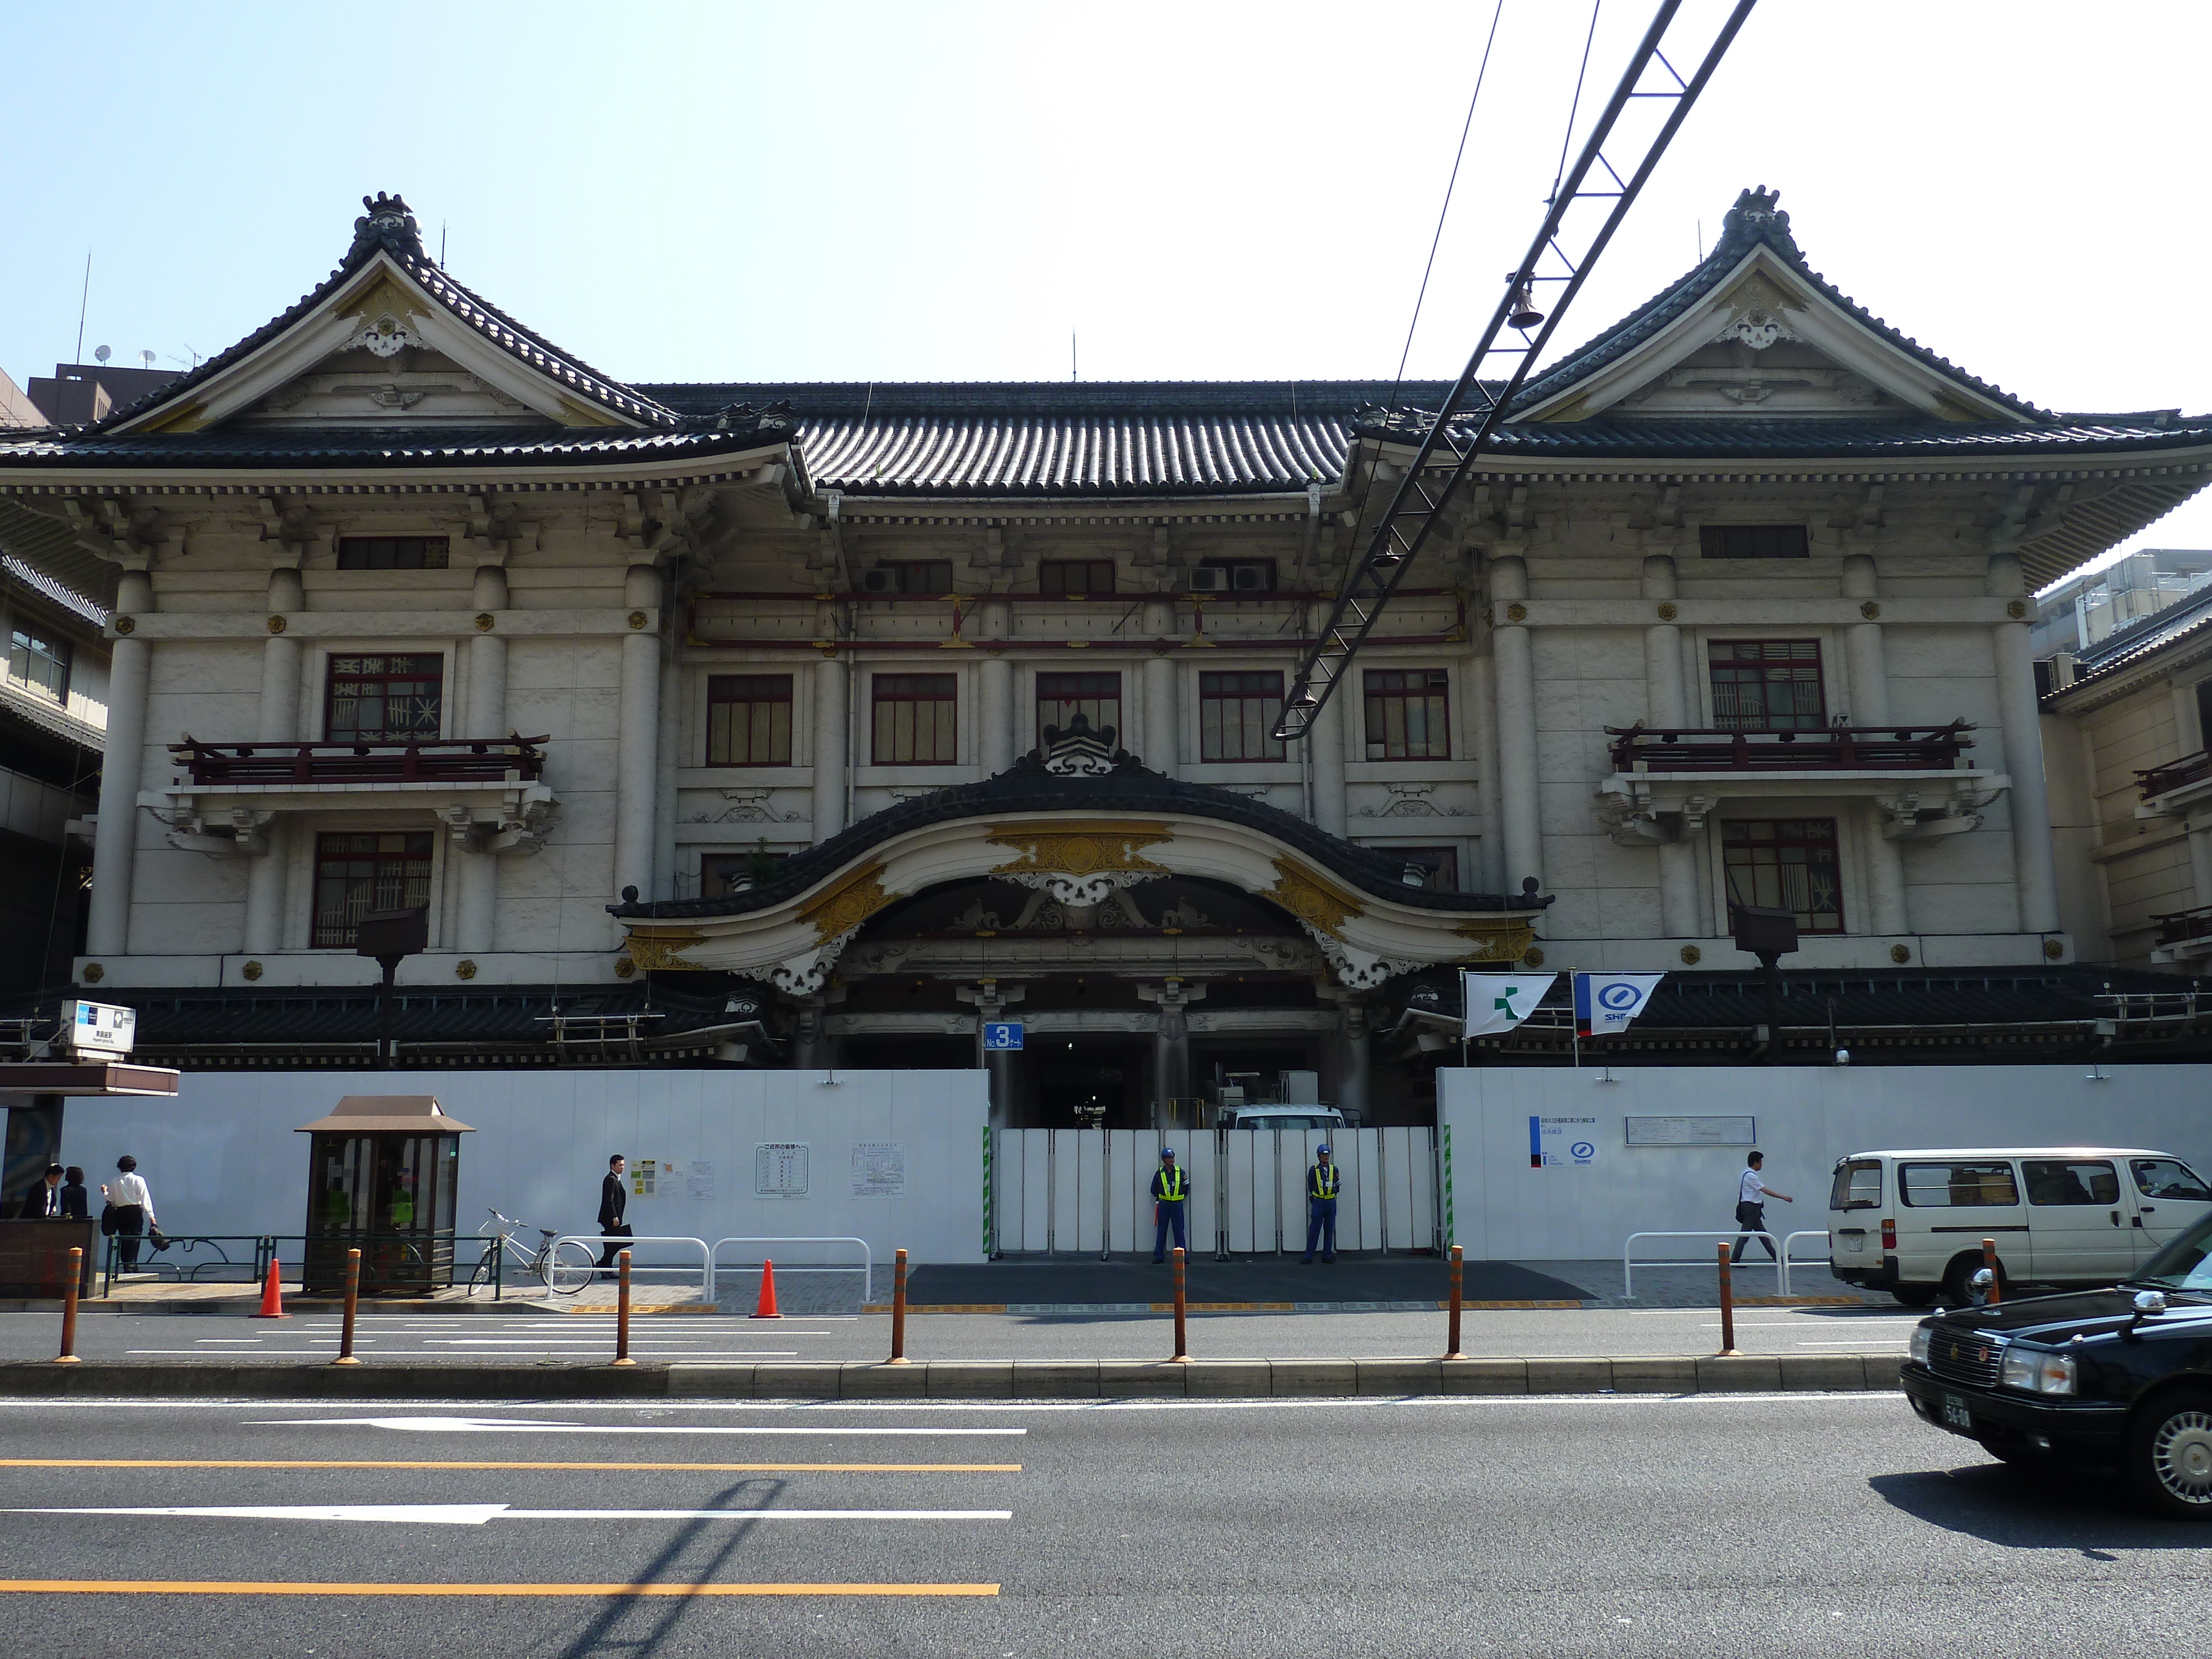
{"x": 83, "y": 300}
{"x": 441, "y": 243}
{"x": 101, "y": 354}
{"x": 1071, "y": 374}
{"x": 1701, "y": 241}
{"x": 147, "y": 358}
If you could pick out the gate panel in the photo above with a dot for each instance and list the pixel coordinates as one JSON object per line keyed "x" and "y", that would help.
{"x": 1422, "y": 1169}
{"x": 1293, "y": 1150}
{"x": 1399, "y": 1233}
{"x": 1237, "y": 1184}
{"x": 1368, "y": 1180}
{"x": 1086, "y": 1175}
{"x": 1035, "y": 1168}
{"x": 1121, "y": 1188}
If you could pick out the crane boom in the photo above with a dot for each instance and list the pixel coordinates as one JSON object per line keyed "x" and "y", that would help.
{"x": 1416, "y": 504}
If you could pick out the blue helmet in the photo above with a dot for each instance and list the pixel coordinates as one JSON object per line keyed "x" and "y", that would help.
{"x": 1321, "y": 1151}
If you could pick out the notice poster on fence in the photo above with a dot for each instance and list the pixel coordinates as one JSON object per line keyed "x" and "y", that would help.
{"x": 780, "y": 1169}
{"x": 1557, "y": 1142}
{"x": 652, "y": 1177}
{"x": 699, "y": 1178}
{"x": 879, "y": 1168}
{"x": 1717, "y": 1130}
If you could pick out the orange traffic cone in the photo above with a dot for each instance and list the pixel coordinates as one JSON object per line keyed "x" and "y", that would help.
{"x": 767, "y": 1308}
{"x": 272, "y": 1295}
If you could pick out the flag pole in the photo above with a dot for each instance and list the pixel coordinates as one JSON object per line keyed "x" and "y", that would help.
{"x": 1575, "y": 1014}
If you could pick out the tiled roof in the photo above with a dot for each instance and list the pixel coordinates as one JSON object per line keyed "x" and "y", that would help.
{"x": 1753, "y": 220}
{"x": 387, "y": 227}
{"x": 2191, "y": 618}
{"x": 1058, "y": 438}
{"x": 412, "y": 445}
{"x": 1752, "y": 437}
{"x": 60, "y": 592}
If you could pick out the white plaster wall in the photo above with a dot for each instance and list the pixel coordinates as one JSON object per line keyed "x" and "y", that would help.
{"x": 223, "y": 1157}
{"x": 1808, "y": 1118}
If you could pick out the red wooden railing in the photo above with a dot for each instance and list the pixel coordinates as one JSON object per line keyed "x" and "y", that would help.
{"x": 2156, "y": 780}
{"x": 2181, "y": 927}
{"x": 1826, "y": 749}
{"x": 489, "y": 759}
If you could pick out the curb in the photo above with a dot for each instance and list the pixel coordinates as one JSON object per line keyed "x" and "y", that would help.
{"x": 962, "y": 1379}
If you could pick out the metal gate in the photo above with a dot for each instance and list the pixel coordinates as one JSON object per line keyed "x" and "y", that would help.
{"x": 1083, "y": 1192}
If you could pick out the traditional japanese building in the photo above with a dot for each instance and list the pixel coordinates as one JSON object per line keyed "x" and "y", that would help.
{"x": 815, "y": 724}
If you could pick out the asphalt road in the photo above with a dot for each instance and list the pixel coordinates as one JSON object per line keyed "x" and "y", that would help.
{"x": 433, "y": 1338}
{"x": 1708, "y": 1525}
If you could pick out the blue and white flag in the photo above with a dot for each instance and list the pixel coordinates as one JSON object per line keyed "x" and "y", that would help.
{"x": 1498, "y": 1002}
{"x": 1605, "y": 1003}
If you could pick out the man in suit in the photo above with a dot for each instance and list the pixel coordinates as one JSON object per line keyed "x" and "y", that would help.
{"x": 614, "y": 1198}
{"x": 43, "y": 1201}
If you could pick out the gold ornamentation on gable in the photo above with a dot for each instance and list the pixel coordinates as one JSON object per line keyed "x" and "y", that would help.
{"x": 1312, "y": 897}
{"x": 381, "y": 298}
{"x": 1496, "y": 941}
{"x": 662, "y": 947}
{"x": 1760, "y": 292}
{"x": 858, "y": 895}
{"x": 1081, "y": 847}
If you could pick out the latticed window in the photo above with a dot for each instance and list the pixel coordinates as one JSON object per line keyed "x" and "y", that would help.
{"x": 1786, "y": 864}
{"x": 915, "y": 719}
{"x": 392, "y": 552}
{"x": 40, "y": 662}
{"x": 383, "y": 870}
{"x": 1066, "y": 578}
{"x": 1236, "y": 716}
{"x": 387, "y": 698}
{"x": 1061, "y": 698}
{"x": 1752, "y": 541}
{"x": 1766, "y": 686}
{"x": 1408, "y": 713}
{"x": 749, "y": 720}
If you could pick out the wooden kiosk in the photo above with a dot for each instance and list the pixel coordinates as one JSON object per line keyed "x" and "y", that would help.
{"x": 382, "y": 1173}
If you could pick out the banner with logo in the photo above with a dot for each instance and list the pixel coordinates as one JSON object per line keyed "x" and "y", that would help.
{"x": 1498, "y": 1002}
{"x": 1606, "y": 1003}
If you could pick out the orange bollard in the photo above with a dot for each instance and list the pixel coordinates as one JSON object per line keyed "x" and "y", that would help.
{"x": 1182, "y": 1343}
{"x": 899, "y": 1312}
{"x": 1458, "y": 1271}
{"x": 1727, "y": 1302}
{"x": 68, "y": 1355}
{"x": 766, "y": 1308}
{"x": 272, "y": 1295}
{"x": 622, "y": 1311}
{"x": 1990, "y": 1261}
{"x": 352, "y": 1308}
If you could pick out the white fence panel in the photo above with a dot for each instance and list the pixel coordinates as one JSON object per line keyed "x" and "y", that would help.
{"x": 1368, "y": 1179}
{"x": 1236, "y": 1186}
{"x": 1085, "y": 1174}
{"x": 1121, "y": 1186}
{"x": 1035, "y": 1168}
{"x": 1422, "y": 1168}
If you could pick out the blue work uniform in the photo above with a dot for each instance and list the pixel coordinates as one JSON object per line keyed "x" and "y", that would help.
{"x": 1322, "y": 1180}
{"x": 1171, "y": 1196}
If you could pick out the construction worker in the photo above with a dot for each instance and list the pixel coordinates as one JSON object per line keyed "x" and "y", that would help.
{"x": 1322, "y": 1178}
{"x": 1171, "y": 1196}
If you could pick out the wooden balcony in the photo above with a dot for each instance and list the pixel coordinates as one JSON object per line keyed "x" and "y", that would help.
{"x": 2152, "y": 781}
{"x": 464, "y": 760}
{"x": 1827, "y": 748}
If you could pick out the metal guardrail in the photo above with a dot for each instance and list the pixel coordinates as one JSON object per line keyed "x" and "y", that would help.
{"x": 599, "y": 1242}
{"x": 388, "y": 1260}
{"x": 1816, "y": 749}
{"x": 1628, "y": 1264}
{"x": 480, "y": 760}
{"x": 866, "y": 1266}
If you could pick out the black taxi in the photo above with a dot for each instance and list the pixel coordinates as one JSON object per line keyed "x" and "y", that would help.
{"x": 2122, "y": 1377}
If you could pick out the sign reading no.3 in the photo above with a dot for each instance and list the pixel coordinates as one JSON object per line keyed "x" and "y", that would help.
{"x": 999, "y": 1034}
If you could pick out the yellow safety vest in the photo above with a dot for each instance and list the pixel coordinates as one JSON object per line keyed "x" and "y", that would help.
{"x": 1321, "y": 1180}
{"x": 1170, "y": 1185}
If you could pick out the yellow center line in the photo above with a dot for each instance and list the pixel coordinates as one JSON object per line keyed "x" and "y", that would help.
{"x": 249, "y": 1586}
{"x": 704, "y": 1468}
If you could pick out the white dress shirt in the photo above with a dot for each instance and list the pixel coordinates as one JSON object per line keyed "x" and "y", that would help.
{"x": 129, "y": 1189}
{"x": 1753, "y": 1190}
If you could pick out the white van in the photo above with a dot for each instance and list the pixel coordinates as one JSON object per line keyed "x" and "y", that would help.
{"x": 1912, "y": 1223}
{"x": 1281, "y": 1117}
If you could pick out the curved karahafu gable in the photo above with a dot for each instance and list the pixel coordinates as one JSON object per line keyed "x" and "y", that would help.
{"x": 1080, "y": 818}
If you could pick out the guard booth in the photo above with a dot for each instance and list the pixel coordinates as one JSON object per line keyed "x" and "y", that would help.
{"x": 382, "y": 1172}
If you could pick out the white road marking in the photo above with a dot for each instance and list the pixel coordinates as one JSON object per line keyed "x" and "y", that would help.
{"x": 533, "y": 1425}
{"x": 475, "y": 1515}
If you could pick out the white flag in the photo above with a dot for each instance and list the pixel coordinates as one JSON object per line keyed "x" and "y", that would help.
{"x": 1498, "y": 1002}
{"x": 1605, "y": 1003}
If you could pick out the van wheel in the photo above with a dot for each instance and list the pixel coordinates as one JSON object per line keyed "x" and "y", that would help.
{"x": 1957, "y": 1291}
{"x": 1915, "y": 1295}
{"x": 2167, "y": 1455}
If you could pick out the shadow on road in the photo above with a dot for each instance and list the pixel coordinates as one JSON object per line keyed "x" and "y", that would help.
{"x": 2057, "y": 1508}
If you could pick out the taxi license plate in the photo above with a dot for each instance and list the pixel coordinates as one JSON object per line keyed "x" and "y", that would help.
{"x": 1955, "y": 1414}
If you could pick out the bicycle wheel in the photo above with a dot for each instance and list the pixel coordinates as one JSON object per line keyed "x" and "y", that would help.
{"x": 481, "y": 1280}
{"x": 569, "y": 1266}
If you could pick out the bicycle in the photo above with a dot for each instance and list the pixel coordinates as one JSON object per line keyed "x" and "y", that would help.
{"x": 563, "y": 1268}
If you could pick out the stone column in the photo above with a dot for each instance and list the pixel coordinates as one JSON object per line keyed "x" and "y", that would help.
{"x": 995, "y": 714}
{"x": 1517, "y": 726}
{"x": 2034, "y": 864}
{"x": 115, "y": 841}
{"x": 278, "y": 721}
{"x": 475, "y": 926}
{"x": 1667, "y": 699}
{"x": 829, "y": 757}
{"x": 1862, "y": 651}
{"x": 1171, "y": 1043}
{"x": 1351, "y": 1090}
{"x": 1327, "y": 739}
{"x": 1884, "y": 867}
{"x": 637, "y": 751}
{"x": 1161, "y": 750}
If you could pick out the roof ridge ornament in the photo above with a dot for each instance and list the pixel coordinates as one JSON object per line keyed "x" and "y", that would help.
{"x": 1755, "y": 218}
{"x": 388, "y": 224}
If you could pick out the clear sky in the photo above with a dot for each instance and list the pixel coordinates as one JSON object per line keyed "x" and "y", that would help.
{"x": 1198, "y": 190}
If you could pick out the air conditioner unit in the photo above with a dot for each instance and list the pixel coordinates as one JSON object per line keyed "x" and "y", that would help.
{"x": 1209, "y": 579}
{"x": 879, "y": 580}
{"x": 1253, "y": 579}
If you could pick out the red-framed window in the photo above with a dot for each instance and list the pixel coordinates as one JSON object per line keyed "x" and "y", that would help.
{"x": 1061, "y": 698}
{"x": 1766, "y": 686}
{"x": 1237, "y": 711}
{"x": 915, "y": 720}
{"x": 1787, "y": 864}
{"x": 389, "y": 697}
{"x": 749, "y": 720}
{"x": 356, "y": 873}
{"x": 1408, "y": 713}
{"x": 1075, "y": 578}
